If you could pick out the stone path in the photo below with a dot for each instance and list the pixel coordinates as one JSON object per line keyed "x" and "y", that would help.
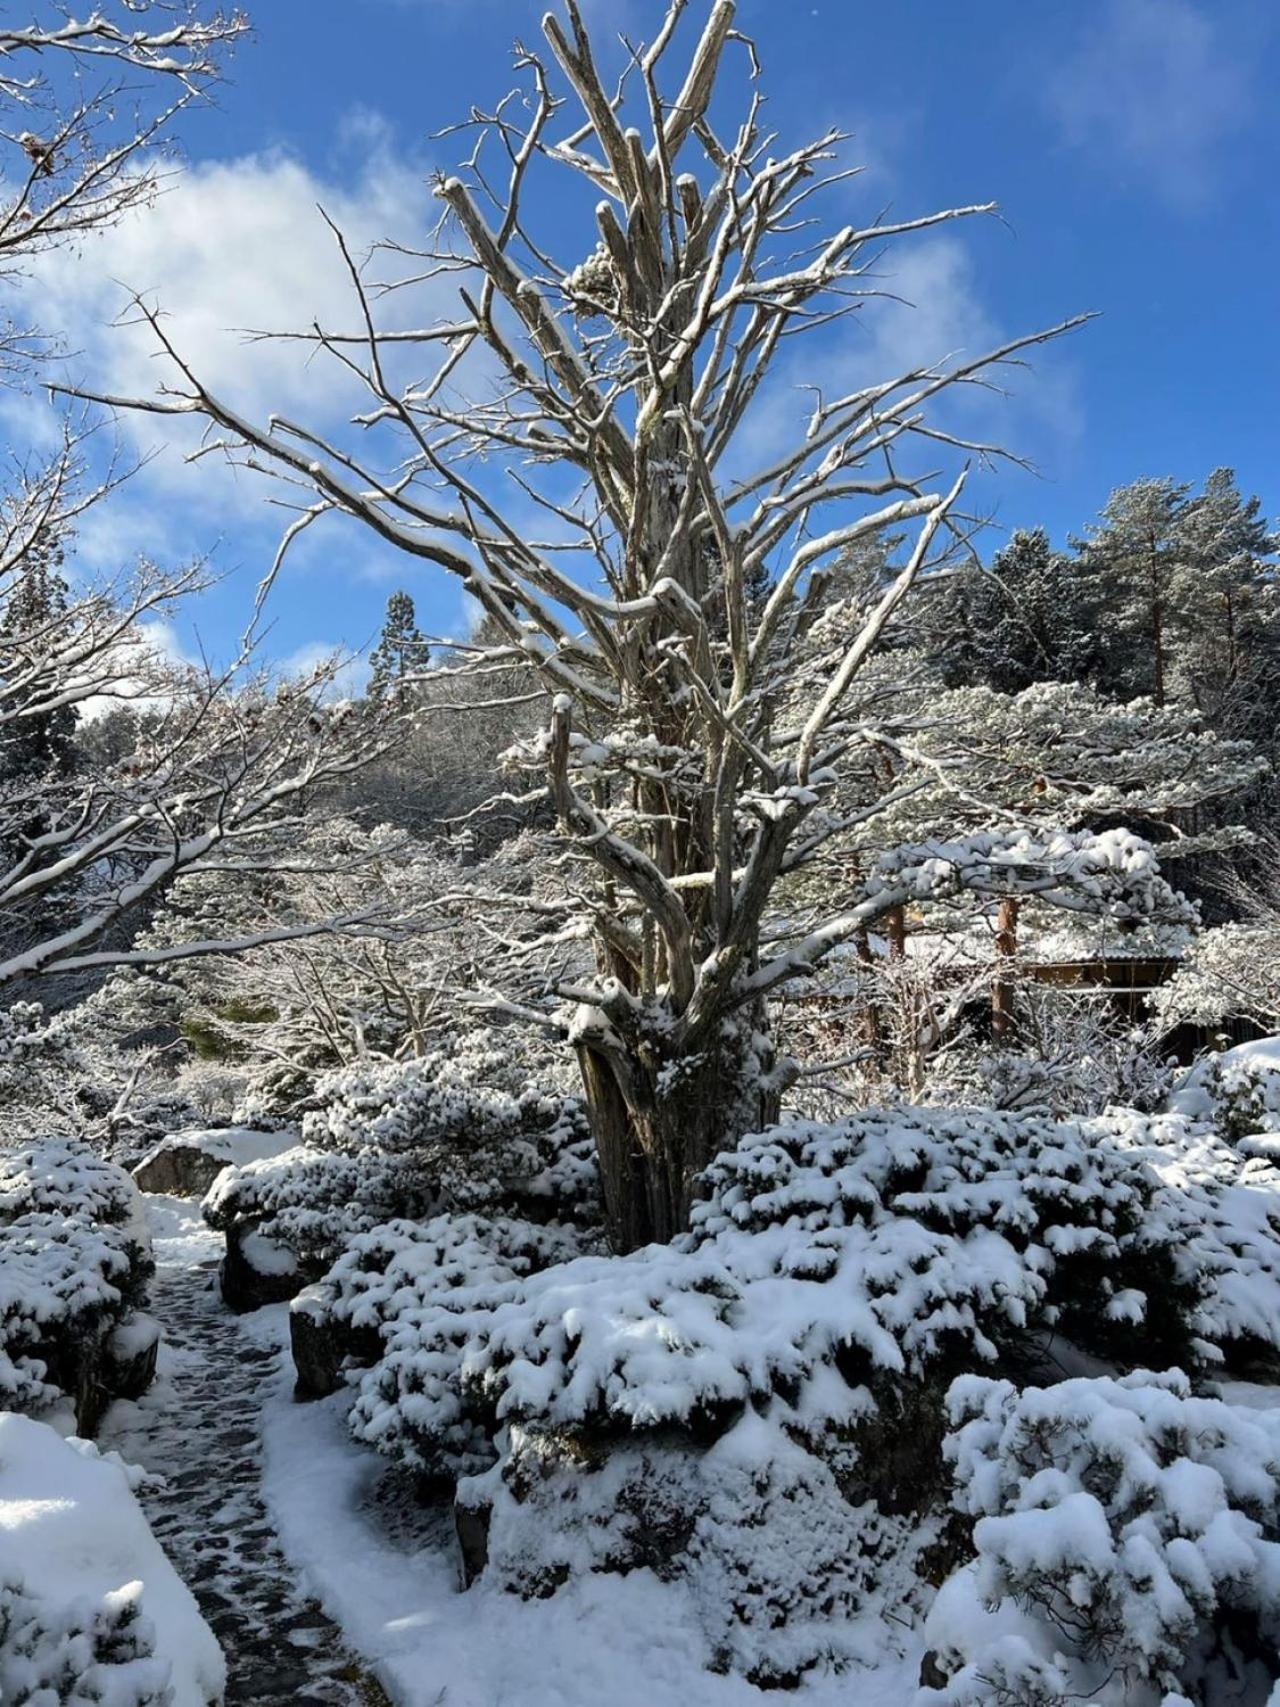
{"x": 199, "y": 1428}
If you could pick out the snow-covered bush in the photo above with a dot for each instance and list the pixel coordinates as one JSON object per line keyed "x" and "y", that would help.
{"x": 1238, "y": 1091}
{"x": 461, "y": 1129}
{"x": 842, "y": 1273}
{"x": 311, "y": 1200}
{"x": 92, "y": 1613}
{"x": 57, "y": 1175}
{"x": 74, "y": 1262}
{"x": 1126, "y": 1545}
{"x": 405, "y": 1298}
{"x": 79, "y": 1653}
{"x": 783, "y": 1571}
{"x": 1218, "y": 1213}
{"x": 467, "y": 1124}
{"x": 1228, "y": 970}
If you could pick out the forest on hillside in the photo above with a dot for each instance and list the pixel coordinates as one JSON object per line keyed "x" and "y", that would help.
{"x": 714, "y": 1131}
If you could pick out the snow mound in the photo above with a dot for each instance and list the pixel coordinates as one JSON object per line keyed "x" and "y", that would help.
{"x": 98, "y": 1613}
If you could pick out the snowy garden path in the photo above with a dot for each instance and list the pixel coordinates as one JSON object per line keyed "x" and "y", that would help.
{"x": 199, "y": 1427}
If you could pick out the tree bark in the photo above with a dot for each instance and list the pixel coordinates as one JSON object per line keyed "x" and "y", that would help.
{"x": 1004, "y": 988}
{"x": 658, "y": 1122}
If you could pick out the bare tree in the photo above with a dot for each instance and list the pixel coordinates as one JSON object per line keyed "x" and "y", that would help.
{"x": 88, "y": 101}
{"x": 214, "y": 777}
{"x": 664, "y": 607}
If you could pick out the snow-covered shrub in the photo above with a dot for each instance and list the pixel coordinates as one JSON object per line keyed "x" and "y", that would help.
{"x": 843, "y": 1272}
{"x": 1126, "y": 1545}
{"x": 1239, "y": 1093}
{"x": 459, "y": 1129}
{"x": 1218, "y": 1213}
{"x": 79, "y": 1653}
{"x": 55, "y": 1174}
{"x": 73, "y": 1263}
{"x": 92, "y": 1614}
{"x": 1229, "y": 970}
{"x": 406, "y": 1297}
{"x": 467, "y": 1125}
{"x": 311, "y": 1200}
{"x": 783, "y": 1571}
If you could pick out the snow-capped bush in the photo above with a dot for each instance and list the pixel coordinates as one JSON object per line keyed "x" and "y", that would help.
{"x": 833, "y": 1269}
{"x": 457, "y": 1130}
{"x": 406, "y": 1297}
{"x": 1242, "y": 1093}
{"x": 1126, "y": 1545}
{"x": 1217, "y": 1212}
{"x": 783, "y": 1571}
{"x": 79, "y": 1653}
{"x": 466, "y": 1123}
{"x": 73, "y": 1264}
{"x": 1228, "y": 970}
{"x": 311, "y": 1200}
{"x": 54, "y": 1174}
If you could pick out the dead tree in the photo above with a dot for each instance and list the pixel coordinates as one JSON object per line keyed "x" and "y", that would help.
{"x": 664, "y": 606}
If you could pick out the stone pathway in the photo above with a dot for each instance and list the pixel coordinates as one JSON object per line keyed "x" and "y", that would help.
{"x": 199, "y": 1428}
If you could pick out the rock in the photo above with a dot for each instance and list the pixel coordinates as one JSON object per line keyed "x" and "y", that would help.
{"x": 317, "y": 1356}
{"x": 932, "y": 1675}
{"x": 257, "y": 1270}
{"x": 322, "y": 1345}
{"x": 129, "y": 1357}
{"x": 185, "y": 1164}
{"x": 472, "y": 1524}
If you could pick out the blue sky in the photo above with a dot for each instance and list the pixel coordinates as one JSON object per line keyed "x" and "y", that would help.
{"x": 1132, "y": 145}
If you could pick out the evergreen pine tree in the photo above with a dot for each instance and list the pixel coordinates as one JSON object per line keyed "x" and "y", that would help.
{"x": 401, "y": 653}
{"x": 37, "y": 745}
{"x": 1137, "y": 558}
{"x": 1024, "y": 619}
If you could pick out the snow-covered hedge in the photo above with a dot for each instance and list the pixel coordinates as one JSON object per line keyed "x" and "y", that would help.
{"x": 466, "y": 1122}
{"x": 57, "y": 1175}
{"x": 457, "y": 1129}
{"x": 406, "y": 1286}
{"x": 74, "y": 1262}
{"x": 832, "y": 1266}
{"x": 784, "y": 1573}
{"x": 607, "y": 1413}
{"x": 91, "y": 1611}
{"x": 1218, "y": 1213}
{"x": 1126, "y": 1546}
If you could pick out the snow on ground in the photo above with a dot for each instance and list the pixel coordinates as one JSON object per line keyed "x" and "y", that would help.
{"x": 392, "y": 1585}
{"x": 71, "y": 1522}
{"x": 198, "y": 1429}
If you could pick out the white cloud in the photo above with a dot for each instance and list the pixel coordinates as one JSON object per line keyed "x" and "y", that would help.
{"x": 349, "y": 676}
{"x": 1155, "y": 88}
{"x": 153, "y": 647}
{"x": 230, "y": 245}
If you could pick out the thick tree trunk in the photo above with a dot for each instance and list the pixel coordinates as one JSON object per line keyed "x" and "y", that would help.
{"x": 658, "y": 1124}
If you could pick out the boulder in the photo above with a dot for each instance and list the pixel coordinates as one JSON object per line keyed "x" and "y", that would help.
{"x": 317, "y": 1356}
{"x": 472, "y": 1518}
{"x": 129, "y": 1356}
{"x": 323, "y": 1344}
{"x": 257, "y": 1270}
{"x": 185, "y": 1164}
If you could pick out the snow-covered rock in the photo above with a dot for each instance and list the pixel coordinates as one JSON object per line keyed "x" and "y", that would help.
{"x": 87, "y": 1597}
{"x": 185, "y": 1164}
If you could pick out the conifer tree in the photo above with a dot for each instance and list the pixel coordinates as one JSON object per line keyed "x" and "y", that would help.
{"x": 401, "y": 653}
